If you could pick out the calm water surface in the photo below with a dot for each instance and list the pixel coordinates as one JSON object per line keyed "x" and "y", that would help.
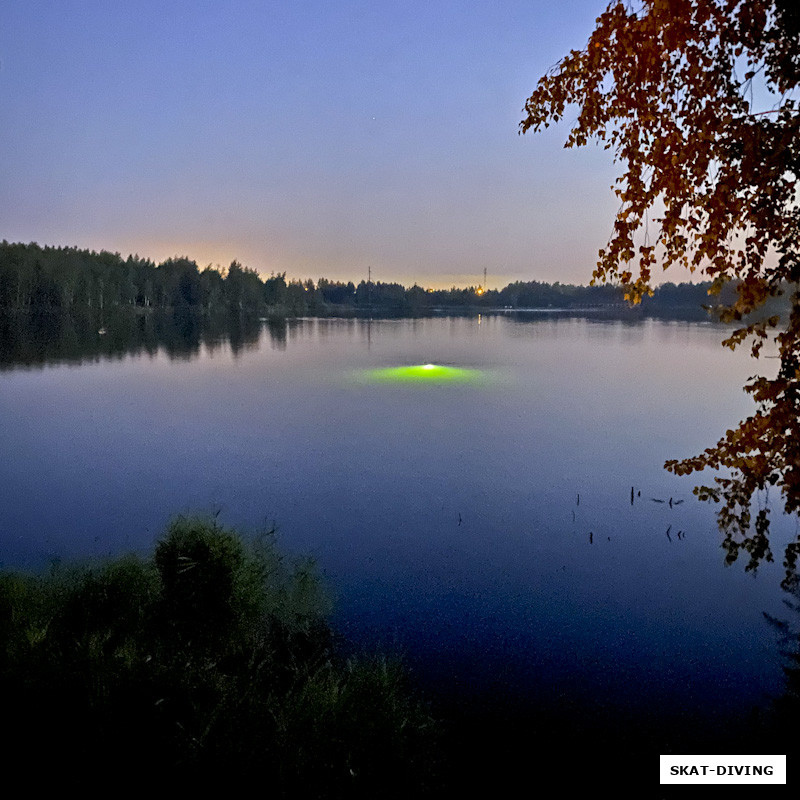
{"x": 484, "y": 530}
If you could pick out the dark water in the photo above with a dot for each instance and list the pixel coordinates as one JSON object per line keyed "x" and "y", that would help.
{"x": 484, "y": 530}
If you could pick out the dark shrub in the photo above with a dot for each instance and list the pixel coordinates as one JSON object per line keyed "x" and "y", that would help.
{"x": 212, "y": 656}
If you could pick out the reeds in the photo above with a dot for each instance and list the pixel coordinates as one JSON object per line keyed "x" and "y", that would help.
{"x": 213, "y": 655}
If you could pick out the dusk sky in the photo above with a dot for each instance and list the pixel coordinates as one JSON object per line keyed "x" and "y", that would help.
{"x": 315, "y": 138}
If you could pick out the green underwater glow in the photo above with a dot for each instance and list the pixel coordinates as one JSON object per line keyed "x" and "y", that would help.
{"x": 423, "y": 374}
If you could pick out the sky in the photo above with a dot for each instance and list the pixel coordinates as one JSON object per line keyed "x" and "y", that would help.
{"x": 311, "y": 138}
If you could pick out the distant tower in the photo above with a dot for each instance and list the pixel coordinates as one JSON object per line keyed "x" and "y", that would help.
{"x": 482, "y": 287}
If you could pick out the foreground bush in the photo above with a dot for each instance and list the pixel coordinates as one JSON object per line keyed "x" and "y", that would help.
{"x": 213, "y": 655}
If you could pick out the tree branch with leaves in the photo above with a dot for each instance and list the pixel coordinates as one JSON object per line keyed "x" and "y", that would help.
{"x": 670, "y": 87}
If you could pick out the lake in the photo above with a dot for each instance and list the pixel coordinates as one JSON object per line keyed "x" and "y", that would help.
{"x": 483, "y": 529}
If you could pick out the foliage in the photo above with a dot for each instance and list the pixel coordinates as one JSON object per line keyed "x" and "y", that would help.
{"x": 672, "y": 89}
{"x": 66, "y": 278}
{"x": 92, "y": 287}
{"x": 212, "y": 655}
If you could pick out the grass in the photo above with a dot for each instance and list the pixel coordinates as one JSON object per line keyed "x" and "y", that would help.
{"x": 211, "y": 657}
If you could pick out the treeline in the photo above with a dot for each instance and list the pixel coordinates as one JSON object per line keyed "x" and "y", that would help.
{"x": 34, "y": 277}
{"x": 66, "y": 278}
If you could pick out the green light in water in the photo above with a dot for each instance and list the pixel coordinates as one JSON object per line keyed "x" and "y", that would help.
{"x": 423, "y": 373}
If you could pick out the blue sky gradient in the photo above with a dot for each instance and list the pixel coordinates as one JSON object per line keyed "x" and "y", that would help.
{"x": 314, "y": 138}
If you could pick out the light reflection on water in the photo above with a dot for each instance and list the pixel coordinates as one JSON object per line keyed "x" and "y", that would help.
{"x": 485, "y": 530}
{"x": 421, "y": 375}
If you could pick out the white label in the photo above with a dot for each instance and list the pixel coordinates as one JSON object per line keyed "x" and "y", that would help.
{"x": 723, "y": 769}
